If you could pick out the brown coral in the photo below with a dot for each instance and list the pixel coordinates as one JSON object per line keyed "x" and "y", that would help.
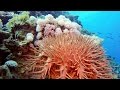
{"x": 26, "y": 60}
{"x": 74, "y": 57}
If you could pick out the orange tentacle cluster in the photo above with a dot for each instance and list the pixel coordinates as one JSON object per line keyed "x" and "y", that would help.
{"x": 74, "y": 57}
{"x": 30, "y": 63}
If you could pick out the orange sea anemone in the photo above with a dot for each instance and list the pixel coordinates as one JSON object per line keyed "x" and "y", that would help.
{"x": 73, "y": 56}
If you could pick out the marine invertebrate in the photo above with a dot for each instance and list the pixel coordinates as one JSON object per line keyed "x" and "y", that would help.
{"x": 1, "y": 24}
{"x": 3, "y": 50}
{"x": 5, "y": 72}
{"x": 29, "y": 37}
{"x": 11, "y": 63}
{"x": 61, "y": 52}
{"x": 18, "y": 19}
{"x": 96, "y": 39}
{"x": 51, "y": 26}
{"x": 49, "y": 30}
{"x": 22, "y": 29}
{"x": 115, "y": 66}
{"x": 29, "y": 62}
{"x": 75, "y": 57}
{"x": 21, "y": 21}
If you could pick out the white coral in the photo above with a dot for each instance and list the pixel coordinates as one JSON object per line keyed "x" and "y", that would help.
{"x": 58, "y": 31}
{"x": 32, "y": 18}
{"x": 61, "y": 17}
{"x": 11, "y": 63}
{"x": 97, "y": 40}
{"x": 38, "y": 28}
{"x": 49, "y": 18}
{"x": 76, "y": 26}
{"x": 75, "y": 31}
{"x": 68, "y": 24}
{"x": 65, "y": 31}
{"x": 39, "y": 35}
{"x": 29, "y": 37}
{"x": 41, "y": 22}
{"x": 37, "y": 42}
{"x": 30, "y": 34}
{"x": 61, "y": 22}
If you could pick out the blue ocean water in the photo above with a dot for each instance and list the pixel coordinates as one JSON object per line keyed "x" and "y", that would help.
{"x": 106, "y": 24}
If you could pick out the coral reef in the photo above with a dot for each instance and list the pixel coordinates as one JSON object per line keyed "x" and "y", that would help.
{"x": 14, "y": 39}
{"x": 59, "y": 53}
{"x": 55, "y": 26}
{"x": 28, "y": 61}
{"x": 1, "y": 24}
{"x": 5, "y": 16}
{"x": 20, "y": 19}
{"x": 74, "y": 56}
{"x": 115, "y": 67}
{"x": 52, "y": 46}
{"x": 5, "y": 70}
{"x": 4, "y": 52}
{"x": 84, "y": 31}
{"x": 19, "y": 27}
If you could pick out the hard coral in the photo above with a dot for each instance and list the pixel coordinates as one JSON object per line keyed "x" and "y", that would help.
{"x": 49, "y": 30}
{"x": 50, "y": 25}
{"x": 20, "y": 20}
{"x": 74, "y": 56}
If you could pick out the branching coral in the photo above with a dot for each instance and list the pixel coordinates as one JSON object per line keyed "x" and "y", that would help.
{"x": 76, "y": 57}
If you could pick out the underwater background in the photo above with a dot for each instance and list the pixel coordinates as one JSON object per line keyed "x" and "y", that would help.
{"x": 30, "y": 40}
{"x": 106, "y": 25}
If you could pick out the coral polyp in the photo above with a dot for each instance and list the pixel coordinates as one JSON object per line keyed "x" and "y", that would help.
{"x": 74, "y": 56}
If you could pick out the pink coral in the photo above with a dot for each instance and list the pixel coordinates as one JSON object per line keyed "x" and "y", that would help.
{"x": 51, "y": 26}
{"x": 49, "y": 30}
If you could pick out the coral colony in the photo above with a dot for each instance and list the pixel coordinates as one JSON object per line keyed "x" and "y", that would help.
{"x": 52, "y": 48}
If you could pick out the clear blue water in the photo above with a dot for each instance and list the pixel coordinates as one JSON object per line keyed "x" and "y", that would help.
{"x": 106, "y": 24}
